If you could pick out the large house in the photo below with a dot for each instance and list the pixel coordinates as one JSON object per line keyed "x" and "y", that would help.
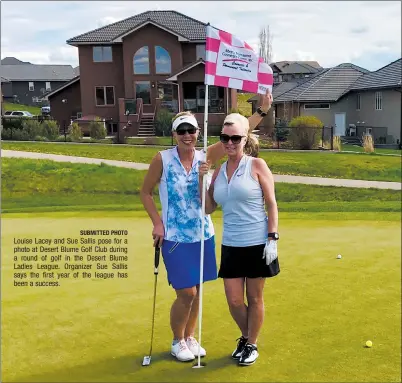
{"x": 27, "y": 83}
{"x": 132, "y": 68}
{"x": 349, "y": 98}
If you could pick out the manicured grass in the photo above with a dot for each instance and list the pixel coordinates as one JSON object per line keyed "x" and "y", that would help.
{"x": 31, "y": 109}
{"x": 41, "y": 185}
{"x": 319, "y": 311}
{"x": 322, "y": 164}
{"x": 360, "y": 149}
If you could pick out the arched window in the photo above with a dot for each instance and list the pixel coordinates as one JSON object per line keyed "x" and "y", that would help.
{"x": 141, "y": 61}
{"x": 163, "y": 63}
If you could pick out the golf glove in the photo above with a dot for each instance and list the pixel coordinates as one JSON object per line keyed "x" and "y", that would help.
{"x": 270, "y": 251}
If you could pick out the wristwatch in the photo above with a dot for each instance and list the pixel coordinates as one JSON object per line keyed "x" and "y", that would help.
{"x": 274, "y": 236}
{"x": 260, "y": 112}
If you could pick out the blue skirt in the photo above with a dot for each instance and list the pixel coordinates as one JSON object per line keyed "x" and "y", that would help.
{"x": 182, "y": 261}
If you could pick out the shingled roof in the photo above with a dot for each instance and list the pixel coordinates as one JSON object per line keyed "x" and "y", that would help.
{"x": 175, "y": 22}
{"x": 32, "y": 72}
{"x": 389, "y": 76}
{"x": 328, "y": 85}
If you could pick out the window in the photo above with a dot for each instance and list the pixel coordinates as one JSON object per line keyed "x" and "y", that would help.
{"x": 316, "y": 106}
{"x": 200, "y": 51}
{"x": 102, "y": 54}
{"x": 104, "y": 95}
{"x": 378, "y": 100}
{"x": 79, "y": 114}
{"x": 31, "y": 86}
{"x": 48, "y": 87}
{"x": 358, "y": 100}
{"x": 141, "y": 61}
{"x": 162, "y": 61}
{"x": 143, "y": 90}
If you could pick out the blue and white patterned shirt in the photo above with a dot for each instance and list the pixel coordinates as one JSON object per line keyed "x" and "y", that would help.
{"x": 180, "y": 199}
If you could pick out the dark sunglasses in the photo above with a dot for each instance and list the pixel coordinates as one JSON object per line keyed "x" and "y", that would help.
{"x": 235, "y": 139}
{"x": 189, "y": 130}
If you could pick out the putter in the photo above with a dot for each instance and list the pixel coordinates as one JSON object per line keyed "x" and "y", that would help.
{"x": 147, "y": 359}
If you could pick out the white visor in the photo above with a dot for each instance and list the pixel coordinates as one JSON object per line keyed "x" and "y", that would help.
{"x": 186, "y": 119}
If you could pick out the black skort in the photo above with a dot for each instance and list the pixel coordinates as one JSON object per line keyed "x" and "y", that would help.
{"x": 246, "y": 262}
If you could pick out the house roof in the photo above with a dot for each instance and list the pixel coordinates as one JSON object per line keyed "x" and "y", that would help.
{"x": 283, "y": 64}
{"x": 328, "y": 85}
{"x": 177, "y": 23}
{"x": 13, "y": 61}
{"x": 299, "y": 68}
{"x": 63, "y": 86}
{"x": 32, "y": 72}
{"x": 388, "y": 76}
{"x": 277, "y": 90}
{"x": 186, "y": 68}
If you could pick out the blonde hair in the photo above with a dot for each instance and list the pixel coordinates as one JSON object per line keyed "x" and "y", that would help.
{"x": 251, "y": 147}
{"x": 186, "y": 113}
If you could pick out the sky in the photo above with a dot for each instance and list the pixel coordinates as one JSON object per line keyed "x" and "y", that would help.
{"x": 365, "y": 33}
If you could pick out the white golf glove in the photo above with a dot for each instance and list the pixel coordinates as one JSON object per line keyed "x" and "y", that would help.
{"x": 270, "y": 251}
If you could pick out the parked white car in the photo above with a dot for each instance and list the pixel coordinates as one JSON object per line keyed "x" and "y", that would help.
{"x": 18, "y": 113}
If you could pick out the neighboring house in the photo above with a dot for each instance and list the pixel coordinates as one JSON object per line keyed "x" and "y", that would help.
{"x": 378, "y": 104}
{"x": 140, "y": 64}
{"x": 29, "y": 82}
{"x": 349, "y": 98}
{"x": 325, "y": 96}
{"x": 5, "y": 88}
{"x": 65, "y": 102}
{"x": 288, "y": 71}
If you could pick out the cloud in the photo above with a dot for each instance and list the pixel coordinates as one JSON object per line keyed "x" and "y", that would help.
{"x": 331, "y": 32}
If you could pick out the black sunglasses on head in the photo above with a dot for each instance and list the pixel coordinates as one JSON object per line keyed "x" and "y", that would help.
{"x": 189, "y": 130}
{"x": 226, "y": 138}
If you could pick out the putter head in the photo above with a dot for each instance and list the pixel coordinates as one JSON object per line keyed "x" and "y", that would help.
{"x": 146, "y": 361}
{"x": 201, "y": 365}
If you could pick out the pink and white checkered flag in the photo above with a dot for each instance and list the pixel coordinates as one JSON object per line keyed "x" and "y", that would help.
{"x": 232, "y": 63}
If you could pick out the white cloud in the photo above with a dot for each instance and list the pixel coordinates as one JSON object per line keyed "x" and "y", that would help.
{"x": 330, "y": 32}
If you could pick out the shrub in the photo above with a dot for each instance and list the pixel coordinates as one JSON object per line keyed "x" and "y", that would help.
{"x": 75, "y": 132}
{"x": 97, "y": 130}
{"x": 20, "y": 135}
{"x": 41, "y": 138}
{"x": 305, "y": 131}
{"x": 32, "y": 128}
{"x": 368, "y": 144}
{"x": 12, "y": 123}
{"x": 51, "y": 129}
{"x": 163, "y": 122}
{"x": 336, "y": 143}
{"x": 63, "y": 139}
{"x": 6, "y": 134}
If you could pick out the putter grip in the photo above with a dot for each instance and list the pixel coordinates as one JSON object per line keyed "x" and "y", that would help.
{"x": 157, "y": 256}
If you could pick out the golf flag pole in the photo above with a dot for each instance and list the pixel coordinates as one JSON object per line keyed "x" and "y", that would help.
{"x": 204, "y": 186}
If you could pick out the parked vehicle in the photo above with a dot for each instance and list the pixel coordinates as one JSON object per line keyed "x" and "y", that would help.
{"x": 45, "y": 110}
{"x": 18, "y": 113}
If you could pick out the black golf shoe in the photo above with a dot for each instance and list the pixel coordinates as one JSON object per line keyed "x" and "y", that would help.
{"x": 249, "y": 355}
{"x": 240, "y": 346}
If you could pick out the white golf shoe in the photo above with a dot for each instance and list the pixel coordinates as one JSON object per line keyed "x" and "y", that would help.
{"x": 181, "y": 351}
{"x": 192, "y": 344}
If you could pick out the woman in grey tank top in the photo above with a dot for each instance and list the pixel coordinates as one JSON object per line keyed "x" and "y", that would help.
{"x": 242, "y": 185}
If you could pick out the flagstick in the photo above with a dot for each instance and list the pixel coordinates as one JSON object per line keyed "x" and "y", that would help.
{"x": 204, "y": 184}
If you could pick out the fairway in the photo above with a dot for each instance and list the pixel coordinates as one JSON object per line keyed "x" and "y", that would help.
{"x": 319, "y": 310}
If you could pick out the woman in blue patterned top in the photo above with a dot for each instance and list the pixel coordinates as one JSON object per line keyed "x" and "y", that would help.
{"x": 178, "y": 230}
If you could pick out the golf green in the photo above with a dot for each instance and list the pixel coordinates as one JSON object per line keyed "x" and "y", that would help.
{"x": 319, "y": 311}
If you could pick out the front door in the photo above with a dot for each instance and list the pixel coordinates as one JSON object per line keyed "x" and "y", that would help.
{"x": 144, "y": 90}
{"x": 340, "y": 124}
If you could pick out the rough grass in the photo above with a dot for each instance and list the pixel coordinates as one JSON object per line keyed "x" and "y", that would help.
{"x": 31, "y": 109}
{"x": 42, "y": 185}
{"x": 322, "y": 164}
{"x": 319, "y": 311}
